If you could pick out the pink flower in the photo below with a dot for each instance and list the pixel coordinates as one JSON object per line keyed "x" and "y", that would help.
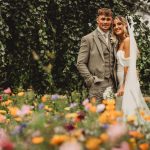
{"x": 5, "y": 143}
{"x": 1, "y": 98}
{"x": 7, "y": 91}
{"x": 24, "y": 110}
{"x": 115, "y": 132}
{"x": 71, "y": 145}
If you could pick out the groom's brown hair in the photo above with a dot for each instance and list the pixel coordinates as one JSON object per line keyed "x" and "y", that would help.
{"x": 105, "y": 11}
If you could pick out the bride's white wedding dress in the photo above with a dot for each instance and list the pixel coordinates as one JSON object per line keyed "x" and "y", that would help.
{"x": 132, "y": 99}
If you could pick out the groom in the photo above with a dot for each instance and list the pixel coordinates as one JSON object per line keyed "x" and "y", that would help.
{"x": 96, "y": 59}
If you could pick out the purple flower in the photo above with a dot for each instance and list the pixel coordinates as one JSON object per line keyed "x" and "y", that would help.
{"x": 54, "y": 97}
{"x": 41, "y": 106}
{"x": 73, "y": 105}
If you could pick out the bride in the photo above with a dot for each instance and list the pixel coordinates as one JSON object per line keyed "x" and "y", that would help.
{"x": 129, "y": 88}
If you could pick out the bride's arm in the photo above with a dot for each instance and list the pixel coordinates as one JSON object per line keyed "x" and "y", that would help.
{"x": 126, "y": 49}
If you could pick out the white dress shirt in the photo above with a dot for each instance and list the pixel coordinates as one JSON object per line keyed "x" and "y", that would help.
{"x": 105, "y": 34}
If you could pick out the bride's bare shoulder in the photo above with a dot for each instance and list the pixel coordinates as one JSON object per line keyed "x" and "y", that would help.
{"x": 127, "y": 40}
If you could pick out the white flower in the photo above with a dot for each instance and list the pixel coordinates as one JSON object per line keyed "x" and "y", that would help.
{"x": 100, "y": 107}
{"x": 108, "y": 93}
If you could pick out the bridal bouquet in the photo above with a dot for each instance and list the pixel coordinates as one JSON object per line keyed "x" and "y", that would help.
{"x": 108, "y": 94}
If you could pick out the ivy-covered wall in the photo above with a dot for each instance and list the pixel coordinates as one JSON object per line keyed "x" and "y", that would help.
{"x": 40, "y": 41}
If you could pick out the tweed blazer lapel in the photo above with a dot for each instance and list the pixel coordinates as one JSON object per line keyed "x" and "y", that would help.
{"x": 98, "y": 43}
{"x": 101, "y": 37}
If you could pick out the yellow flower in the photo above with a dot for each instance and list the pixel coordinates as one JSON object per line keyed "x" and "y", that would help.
{"x": 47, "y": 108}
{"x": 71, "y": 115}
{"x": 3, "y": 112}
{"x": 21, "y": 94}
{"x": 37, "y": 140}
{"x": 133, "y": 144}
{"x": 131, "y": 118}
{"x": 18, "y": 119}
{"x": 58, "y": 139}
{"x": 67, "y": 108}
{"x": 93, "y": 143}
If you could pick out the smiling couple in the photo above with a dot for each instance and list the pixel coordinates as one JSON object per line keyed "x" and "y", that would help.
{"x": 104, "y": 62}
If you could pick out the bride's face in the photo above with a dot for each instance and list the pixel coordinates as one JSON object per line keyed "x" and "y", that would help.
{"x": 118, "y": 27}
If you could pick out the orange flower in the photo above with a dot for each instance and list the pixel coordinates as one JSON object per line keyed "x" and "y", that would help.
{"x": 93, "y": 100}
{"x": 111, "y": 102}
{"x": 142, "y": 112}
{"x": 2, "y": 118}
{"x": 136, "y": 134}
{"x": 92, "y": 109}
{"x": 44, "y": 98}
{"x": 102, "y": 119}
{"x": 104, "y": 137}
{"x": 58, "y": 139}
{"x": 13, "y": 110}
{"x": 110, "y": 107}
{"x": 147, "y": 118}
{"x": 37, "y": 140}
{"x": 144, "y": 146}
{"x": 93, "y": 143}
{"x": 7, "y": 102}
{"x": 104, "y": 101}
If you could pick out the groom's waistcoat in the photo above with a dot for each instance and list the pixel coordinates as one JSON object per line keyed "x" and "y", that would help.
{"x": 109, "y": 59}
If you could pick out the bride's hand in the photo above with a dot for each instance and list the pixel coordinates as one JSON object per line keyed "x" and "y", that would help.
{"x": 120, "y": 91}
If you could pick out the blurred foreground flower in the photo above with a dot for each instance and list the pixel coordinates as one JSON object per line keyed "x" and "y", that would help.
{"x": 58, "y": 139}
{"x": 21, "y": 94}
{"x": 7, "y": 91}
{"x": 123, "y": 146}
{"x": 5, "y": 143}
{"x": 25, "y": 109}
{"x": 54, "y": 97}
{"x": 37, "y": 140}
{"x": 71, "y": 145}
{"x": 116, "y": 132}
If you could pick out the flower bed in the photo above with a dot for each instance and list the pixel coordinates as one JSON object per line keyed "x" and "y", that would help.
{"x": 50, "y": 122}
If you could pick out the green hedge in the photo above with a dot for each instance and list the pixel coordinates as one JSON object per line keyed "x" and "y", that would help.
{"x": 40, "y": 41}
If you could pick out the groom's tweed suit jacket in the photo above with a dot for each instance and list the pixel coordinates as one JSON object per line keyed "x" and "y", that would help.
{"x": 96, "y": 59}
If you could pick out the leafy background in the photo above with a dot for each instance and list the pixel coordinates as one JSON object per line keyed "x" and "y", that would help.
{"x": 40, "y": 39}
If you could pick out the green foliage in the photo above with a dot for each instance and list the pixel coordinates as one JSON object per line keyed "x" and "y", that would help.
{"x": 40, "y": 41}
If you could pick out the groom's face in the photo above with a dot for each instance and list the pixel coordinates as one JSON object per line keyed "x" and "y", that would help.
{"x": 104, "y": 22}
